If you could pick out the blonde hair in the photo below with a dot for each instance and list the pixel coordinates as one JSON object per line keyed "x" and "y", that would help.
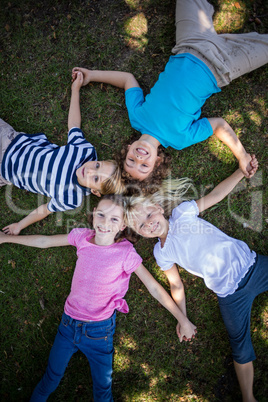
{"x": 113, "y": 184}
{"x": 171, "y": 193}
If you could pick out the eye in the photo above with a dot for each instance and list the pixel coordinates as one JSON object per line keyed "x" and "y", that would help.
{"x": 131, "y": 160}
{"x": 100, "y": 214}
{"x": 97, "y": 165}
{"x": 144, "y": 165}
{"x": 114, "y": 219}
{"x": 149, "y": 215}
{"x": 96, "y": 179}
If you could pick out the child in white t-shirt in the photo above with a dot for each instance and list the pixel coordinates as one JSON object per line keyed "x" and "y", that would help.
{"x": 229, "y": 268}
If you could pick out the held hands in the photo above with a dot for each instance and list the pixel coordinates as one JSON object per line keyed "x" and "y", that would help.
{"x": 13, "y": 229}
{"x": 186, "y": 332}
{"x": 248, "y": 164}
{"x": 77, "y": 80}
{"x": 86, "y": 74}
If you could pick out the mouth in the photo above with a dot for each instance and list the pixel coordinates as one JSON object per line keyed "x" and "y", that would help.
{"x": 142, "y": 151}
{"x": 155, "y": 227}
{"x": 101, "y": 230}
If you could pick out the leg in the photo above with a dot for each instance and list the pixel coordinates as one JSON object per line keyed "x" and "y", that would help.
{"x": 228, "y": 55}
{"x": 236, "y": 310}
{"x": 97, "y": 345}
{"x": 60, "y": 354}
{"x": 7, "y": 135}
{"x": 245, "y": 375}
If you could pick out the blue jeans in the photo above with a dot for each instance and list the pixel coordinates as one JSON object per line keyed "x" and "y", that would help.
{"x": 95, "y": 340}
{"x": 236, "y": 309}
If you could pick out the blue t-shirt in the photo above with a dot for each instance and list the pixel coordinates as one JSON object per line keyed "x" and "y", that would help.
{"x": 170, "y": 113}
{"x": 33, "y": 163}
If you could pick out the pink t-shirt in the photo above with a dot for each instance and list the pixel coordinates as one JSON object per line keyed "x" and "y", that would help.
{"x": 101, "y": 277}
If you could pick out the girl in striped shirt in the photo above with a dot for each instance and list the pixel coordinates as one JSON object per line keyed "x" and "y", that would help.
{"x": 64, "y": 174}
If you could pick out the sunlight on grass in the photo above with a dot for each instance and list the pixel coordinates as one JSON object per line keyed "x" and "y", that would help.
{"x": 230, "y": 17}
{"x": 136, "y": 29}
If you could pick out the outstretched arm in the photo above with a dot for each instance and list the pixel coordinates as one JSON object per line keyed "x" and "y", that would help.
{"x": 224, "y": 188}
{"x": 74, "y": 117}
{"x": 37, "y": 215}
{"x": 226, "y": 134}
{"x": 39, "y": 241}
{"x": 119, "y": 79}
{"x": 187, "y": 329}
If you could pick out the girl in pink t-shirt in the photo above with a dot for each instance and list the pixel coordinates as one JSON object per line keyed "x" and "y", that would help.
{"x": 100, "y": 281}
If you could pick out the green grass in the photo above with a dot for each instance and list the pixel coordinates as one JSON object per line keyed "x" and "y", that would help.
{"x": 40, "y": 42}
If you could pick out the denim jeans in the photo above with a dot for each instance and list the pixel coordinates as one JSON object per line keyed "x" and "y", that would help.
{"x": 95, "y": 340}
{"x": 236, "y": 309}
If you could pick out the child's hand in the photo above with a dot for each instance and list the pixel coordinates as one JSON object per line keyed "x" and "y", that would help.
{"x": 186, "y": 332}
{"x": 77, "y": 80}
{"x": 85, "y": 72}
{"x": 248, "y": 164}
{"x": 13, "y": 229}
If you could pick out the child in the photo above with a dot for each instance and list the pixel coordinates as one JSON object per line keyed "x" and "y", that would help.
{"x": 66, "y": 174}
{"x": 100, "y": 281}
{"x": 229, "y": 268}
{"x": 203, "y": 63}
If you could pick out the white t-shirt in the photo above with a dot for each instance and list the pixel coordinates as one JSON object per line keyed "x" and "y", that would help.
{"x": 204, "y": 250}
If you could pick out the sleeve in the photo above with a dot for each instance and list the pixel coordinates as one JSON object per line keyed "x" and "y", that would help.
{"x": 76, "y": 235}
{"x": 185, "y": 209}
{"x": 134, "y": 98}
{"x": 132, "y": 261}
{"x": 75, "y": 133}
{"x": 199, "y": 131}
{"x": 163, "y": 263}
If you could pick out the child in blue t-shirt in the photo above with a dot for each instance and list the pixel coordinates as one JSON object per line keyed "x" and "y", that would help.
{"x": 65, "y": 174}
{"x": 169, "y": 115}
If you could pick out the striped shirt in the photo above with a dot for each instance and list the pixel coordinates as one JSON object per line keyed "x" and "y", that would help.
{"x": 33, "y": 163}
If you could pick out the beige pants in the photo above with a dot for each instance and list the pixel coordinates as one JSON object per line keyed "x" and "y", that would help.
{"x": 7, "y": 135}
{"x": 227, "y": 55}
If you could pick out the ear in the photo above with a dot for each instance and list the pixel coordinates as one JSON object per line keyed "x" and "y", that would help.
{"x": 95, "y": 192}
{"x": 128, "y": 146}
{"x": 158, "y": 161}
{"x": 123, "y": 227}
{"x": 160, "y": 208}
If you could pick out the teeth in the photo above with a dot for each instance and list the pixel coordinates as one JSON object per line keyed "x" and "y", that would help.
{"x": 142, "y": 151}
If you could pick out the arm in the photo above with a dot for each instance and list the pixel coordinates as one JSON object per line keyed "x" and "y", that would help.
{"x": 187, "y": 329}
{"x": 74, "y": 117}
{"x": 226, "y": 134}
{"x": 223, "y": 189}
{"x": 39, "y": 241}
{"x": 119, "y": 79}
{"x": 176, "y": 288}
{"x": 37, "y": 215}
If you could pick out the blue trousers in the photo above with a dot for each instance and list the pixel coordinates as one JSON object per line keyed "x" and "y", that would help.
{"x": 95, "y": 340}
{"x": 236, "y": 309}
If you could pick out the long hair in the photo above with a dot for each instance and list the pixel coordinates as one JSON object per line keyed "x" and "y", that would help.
{"x": 113, "y": 184}
{"x": 172, "y": 193}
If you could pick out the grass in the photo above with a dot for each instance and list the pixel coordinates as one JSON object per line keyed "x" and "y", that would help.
{"x": 39, "y": 44}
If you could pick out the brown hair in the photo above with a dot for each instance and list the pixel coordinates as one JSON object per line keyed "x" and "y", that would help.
{"x": 153, "y": 181}
{"x": 127, "y": 233}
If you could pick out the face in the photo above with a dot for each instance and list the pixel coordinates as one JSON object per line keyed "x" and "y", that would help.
{"x": 150, "y": 221}
{"x": 108, "y": 220}
{"x": 141, "y": 159}
{"x": 92, "y": 174}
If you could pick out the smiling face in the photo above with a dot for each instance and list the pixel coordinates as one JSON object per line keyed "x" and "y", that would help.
{"x": 141, "y": 159}
{"x": 149, "y": 221}
{"x": 108, "y": 220}
{"x": 92, "y": 174}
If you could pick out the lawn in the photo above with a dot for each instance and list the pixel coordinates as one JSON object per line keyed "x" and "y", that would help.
{"x": 40, "y": 42}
